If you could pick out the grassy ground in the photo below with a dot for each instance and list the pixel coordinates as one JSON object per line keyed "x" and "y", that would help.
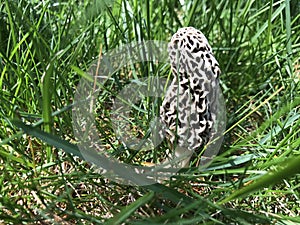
{"x": 45, "y": 44}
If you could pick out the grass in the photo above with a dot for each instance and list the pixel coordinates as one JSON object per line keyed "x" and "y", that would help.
{"x": 46, "y": 46}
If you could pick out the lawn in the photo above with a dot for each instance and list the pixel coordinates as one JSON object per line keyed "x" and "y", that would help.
{"x": 48, "y": 49}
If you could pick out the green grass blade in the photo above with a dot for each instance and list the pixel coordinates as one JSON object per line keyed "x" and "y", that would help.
{"x": 129, "y": 210}
{"x": 49, "y": 138}
{"x": 55, "y": 141}
{"x": 290, "y": 168}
